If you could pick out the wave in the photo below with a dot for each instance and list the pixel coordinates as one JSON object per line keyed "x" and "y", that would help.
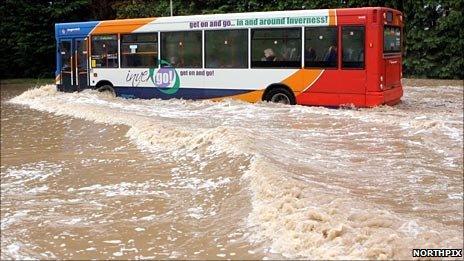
{"x": 297, "y": 220}
{"x": 301, "y": 221}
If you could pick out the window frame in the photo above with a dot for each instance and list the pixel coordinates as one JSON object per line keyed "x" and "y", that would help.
{"x": 274, "y": 67}
{"x": 160, "y": 39}
{"x": 388, "y": 52}
{"x": 157, "y": 48}
{"x": 248, "y": 61}
{"x": 117, "y": 51}
{"x": 341, "y": 45}
{"x": 337, "y": 66}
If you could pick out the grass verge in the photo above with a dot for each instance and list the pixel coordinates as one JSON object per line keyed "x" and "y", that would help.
{"x": 29, "y": 81}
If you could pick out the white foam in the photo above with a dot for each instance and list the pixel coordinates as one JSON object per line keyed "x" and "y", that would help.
{"x": 115, "y": 241}
{"x": 8, "y": 220}
{"x": 123, "y": 189}
{"x": 148, "y": 218}
{"x": 456, "y": 196}
{"x": 13, "y": 251}
{"x": 282, "y": 213}
{"x": 196, "y": 212}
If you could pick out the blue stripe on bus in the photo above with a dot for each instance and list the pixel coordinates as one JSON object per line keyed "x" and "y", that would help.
{"x": 71, "y": 30}
{"x": 183, "y": 93}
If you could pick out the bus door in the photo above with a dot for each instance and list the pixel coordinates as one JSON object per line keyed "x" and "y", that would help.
{"x": 81, "y": 63}
{"x": 65, "y": 52}
{"x": 392, "y": 56}
{"x": 353, "y": 66}
{"x": 74, "y": 64}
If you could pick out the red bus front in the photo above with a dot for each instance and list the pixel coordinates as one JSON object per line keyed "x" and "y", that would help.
{"x": 368, "y": 70}
{"x": 388, "y": 90}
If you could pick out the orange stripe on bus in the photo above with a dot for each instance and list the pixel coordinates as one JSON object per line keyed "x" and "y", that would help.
{"x": 298, "y": 82}
{"x": 121, "y": 26}
{"x": 251, "y": 96}
{"x": 302, "y": 79}
{"x": 332, "y": 17}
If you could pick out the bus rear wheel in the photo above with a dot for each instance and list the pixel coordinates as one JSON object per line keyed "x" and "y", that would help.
{"x": 280, "y": 95}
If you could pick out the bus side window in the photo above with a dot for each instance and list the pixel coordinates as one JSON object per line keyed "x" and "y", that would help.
{"x": 321, "y": 47}
{"x": 139, "y": 50}
{"x": 353, "y": 47}
{"x": 226, "y": 48}
{"x": 276, "y": 48}
{"x": 104, "y": 51}
{"x": 181, "y": 49}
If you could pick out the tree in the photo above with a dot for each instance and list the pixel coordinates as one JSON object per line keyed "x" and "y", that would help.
{"x": 27, "y": 40}
{"x": 434, "y": 39}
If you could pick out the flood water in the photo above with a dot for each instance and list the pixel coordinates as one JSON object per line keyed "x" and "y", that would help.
{"x": 84, "y": 175}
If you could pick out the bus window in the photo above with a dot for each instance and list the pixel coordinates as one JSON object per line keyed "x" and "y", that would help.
{"x": 321, "y": 47}
{"x": 391, "y": 39}
{"x": 104, "y": 51}
{"x": 276, "y": 47}
{"x": 139, "y": 50}
{"x": 226, "y": 49}
{"x": 65, "y": 53}
{"x": 82, "y": 60}
{"x": 353, "y": 46}
{"x": 182, "y": 49}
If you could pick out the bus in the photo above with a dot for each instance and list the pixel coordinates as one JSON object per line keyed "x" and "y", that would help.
{"x": 327, "y": 57}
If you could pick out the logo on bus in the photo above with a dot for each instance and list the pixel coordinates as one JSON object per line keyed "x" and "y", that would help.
{"x": 165, "y": 79}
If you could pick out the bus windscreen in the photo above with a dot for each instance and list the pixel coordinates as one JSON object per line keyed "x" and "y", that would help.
{"x": 391, "y": 39}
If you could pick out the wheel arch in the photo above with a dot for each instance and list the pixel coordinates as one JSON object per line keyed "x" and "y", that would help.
{"x": 277, "y": 86}
{"x": 103, "y": 83}
{"x": 105, "y": 86}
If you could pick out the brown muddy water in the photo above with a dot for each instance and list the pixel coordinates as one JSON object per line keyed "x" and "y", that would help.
{"x": 85, "y": 176}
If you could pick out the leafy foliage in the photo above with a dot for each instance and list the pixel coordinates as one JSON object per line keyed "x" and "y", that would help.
{"x": 27, "y": 43}
{"x": 434, "y": 37}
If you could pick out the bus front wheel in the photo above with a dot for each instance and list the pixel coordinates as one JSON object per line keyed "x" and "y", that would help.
{"x": 107, "y": 89}
{"x": 280, "y": 95}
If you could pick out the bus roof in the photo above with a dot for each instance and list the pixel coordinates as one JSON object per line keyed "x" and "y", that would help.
{"x": 192, "y": 22}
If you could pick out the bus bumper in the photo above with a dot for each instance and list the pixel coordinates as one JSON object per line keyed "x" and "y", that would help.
{"x": 388, "y": 97}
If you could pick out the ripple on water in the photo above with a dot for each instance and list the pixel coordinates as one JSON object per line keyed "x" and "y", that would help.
{"x": 305, "y": 182}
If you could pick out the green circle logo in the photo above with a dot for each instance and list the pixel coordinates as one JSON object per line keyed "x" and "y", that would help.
{"x": 166, "y": 79}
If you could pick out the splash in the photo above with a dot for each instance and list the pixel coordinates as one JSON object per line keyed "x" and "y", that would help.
{"x": 303, "y": 221}
{"x": 315, "y": 212}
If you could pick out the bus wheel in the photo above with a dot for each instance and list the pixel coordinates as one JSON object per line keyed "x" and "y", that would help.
{"x": 107, "y": 89}
{"x": 280, "y": 95}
